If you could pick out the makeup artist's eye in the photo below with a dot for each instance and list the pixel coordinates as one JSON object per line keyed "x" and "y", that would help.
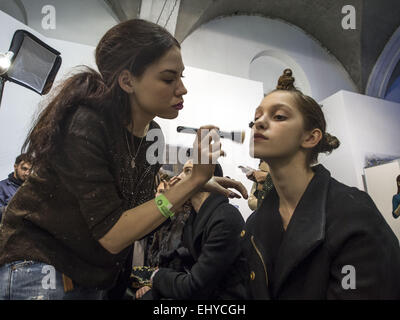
{"x": 169, "y": 81}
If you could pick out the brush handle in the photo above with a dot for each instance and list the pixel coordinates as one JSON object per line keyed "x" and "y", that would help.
{"x": 236, "y": 136}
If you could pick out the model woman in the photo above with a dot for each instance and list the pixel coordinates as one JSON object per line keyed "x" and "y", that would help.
{"x": 313, "y": 237}
{"x": 396, "y": 200}
{"x": 69, "y": 230}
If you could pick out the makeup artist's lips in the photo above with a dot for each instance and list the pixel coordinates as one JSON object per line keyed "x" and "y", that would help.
{"x": 178, "y": 106}
{"x": 259, "y": 137}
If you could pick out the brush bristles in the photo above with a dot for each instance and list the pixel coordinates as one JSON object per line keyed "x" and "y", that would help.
{"x": 243, "y": 136}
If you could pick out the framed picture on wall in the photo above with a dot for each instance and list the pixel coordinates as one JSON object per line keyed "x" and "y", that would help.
{"x": 374, "y": 159}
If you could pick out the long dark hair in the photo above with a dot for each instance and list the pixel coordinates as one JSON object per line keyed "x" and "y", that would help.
{"x": 132, "y": 45}
{"x": 398, "y": 185}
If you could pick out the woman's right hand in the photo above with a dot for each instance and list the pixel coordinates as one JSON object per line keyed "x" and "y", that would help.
{"x": 207, "y": 150}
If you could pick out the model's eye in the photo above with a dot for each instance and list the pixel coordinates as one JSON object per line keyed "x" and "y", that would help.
{"x": 280, "y": 117}
{"x": 168, "y": 81}
{"x": 188, "y": 171}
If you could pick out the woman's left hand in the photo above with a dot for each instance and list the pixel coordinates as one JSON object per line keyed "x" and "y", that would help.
{"x": 221, "y": 185}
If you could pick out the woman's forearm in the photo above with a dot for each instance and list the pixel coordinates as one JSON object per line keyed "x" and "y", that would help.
{"x": 139, "y": 221}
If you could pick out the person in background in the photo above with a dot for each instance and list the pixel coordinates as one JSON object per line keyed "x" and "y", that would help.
{"x": 261, "y": 186}
{"x": 313, "y": 237}
{"x": 9, "y": 186}
{"x": 396, "y": 200}
{"x": 206, "y": 265}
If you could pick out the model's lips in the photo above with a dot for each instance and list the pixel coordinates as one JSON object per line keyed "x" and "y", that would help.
{"x": 178, "y": 106}
{"x": 259, "y": 136}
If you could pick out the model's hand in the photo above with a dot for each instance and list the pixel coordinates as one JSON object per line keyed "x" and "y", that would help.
{"x": 207, "y": 150}
{"x": 221, "y": 185}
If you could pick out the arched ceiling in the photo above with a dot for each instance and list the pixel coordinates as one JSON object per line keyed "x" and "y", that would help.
{"x": 357, "y": 49}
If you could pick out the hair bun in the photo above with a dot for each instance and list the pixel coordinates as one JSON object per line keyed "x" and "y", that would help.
{"x": 329, "y": 143}
{"x": 286, "y": 81}
{"x": 287, "y": 72}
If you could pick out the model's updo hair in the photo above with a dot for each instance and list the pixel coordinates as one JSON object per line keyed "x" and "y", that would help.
{"x": 286, "y": 81}
{"x": 312, "y": 115}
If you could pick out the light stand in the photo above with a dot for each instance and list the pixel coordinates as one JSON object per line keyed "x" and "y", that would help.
{"x": 2, "y": 82}
{"x": 5, "y": 64}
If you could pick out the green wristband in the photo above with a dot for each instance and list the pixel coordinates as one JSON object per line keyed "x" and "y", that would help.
{"x": 164, "y": 205}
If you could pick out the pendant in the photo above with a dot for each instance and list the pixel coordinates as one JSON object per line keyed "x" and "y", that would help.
{"x": 133, "y": 164}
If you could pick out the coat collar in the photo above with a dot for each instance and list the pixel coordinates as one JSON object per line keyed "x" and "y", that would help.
{"x": 306, "y": 229}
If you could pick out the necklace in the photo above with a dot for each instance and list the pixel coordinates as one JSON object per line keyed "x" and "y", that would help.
{"x": 133, "y": 163}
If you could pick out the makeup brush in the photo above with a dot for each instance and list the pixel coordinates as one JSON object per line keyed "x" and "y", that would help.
{"x": 236, "y": 136}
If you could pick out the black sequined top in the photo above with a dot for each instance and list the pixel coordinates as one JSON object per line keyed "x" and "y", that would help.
{"x": 61, "y": 211}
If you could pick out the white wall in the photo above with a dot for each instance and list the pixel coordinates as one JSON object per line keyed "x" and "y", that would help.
{"x": 364, "y": 126}
{"x": 381, "y": 185}
{"x": 229, "y": 44}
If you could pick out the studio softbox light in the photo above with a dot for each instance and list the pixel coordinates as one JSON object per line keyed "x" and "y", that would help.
{"x": 34, "y": 64}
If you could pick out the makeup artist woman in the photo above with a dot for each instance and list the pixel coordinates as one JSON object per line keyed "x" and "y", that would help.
{"x": 68, "y": 232}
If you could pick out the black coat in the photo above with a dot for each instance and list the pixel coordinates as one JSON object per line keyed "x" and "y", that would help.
{"x": 210, "y": 255}
{"x": 336, "y": 246}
